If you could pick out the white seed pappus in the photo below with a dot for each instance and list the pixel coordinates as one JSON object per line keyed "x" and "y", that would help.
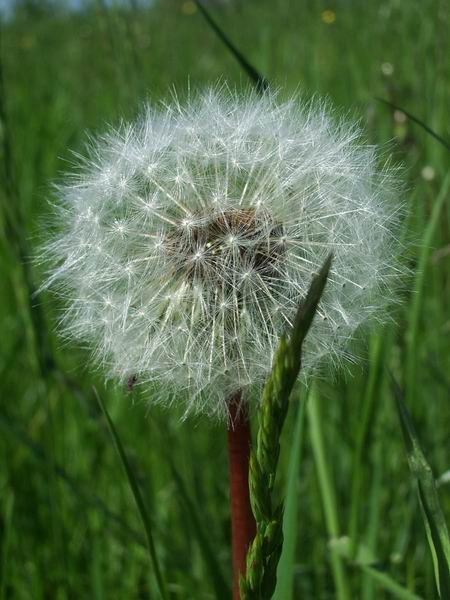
{"x": 187, "y": 239}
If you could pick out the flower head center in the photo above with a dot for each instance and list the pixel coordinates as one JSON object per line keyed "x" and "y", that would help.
{"x": 229, "y": 244}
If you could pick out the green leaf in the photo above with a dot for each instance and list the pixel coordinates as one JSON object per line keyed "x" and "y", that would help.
{"x": 285, "y": 574}
{"x": 258, "y": 80}
{"x": 367, "y": 563}
{"x": 419, "y": 122}
{"x": 433, "y": 517}
{"x": 138, "y": 499}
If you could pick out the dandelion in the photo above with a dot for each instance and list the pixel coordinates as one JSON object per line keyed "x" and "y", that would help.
{"x": 188, "y": 238}
{"x": 188, "y": 8}
{"x": 328, "y": 17}
{"x": 428, "y": 173}
{"x": 387, "y": 69}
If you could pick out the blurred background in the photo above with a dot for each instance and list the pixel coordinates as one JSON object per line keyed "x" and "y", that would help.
{"x": 69, "y": 527}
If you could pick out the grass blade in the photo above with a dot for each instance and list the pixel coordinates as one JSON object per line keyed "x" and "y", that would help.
{"x": 85, "y": 498}
{"x": 285, "y": 573}
{"x": 418, "y": 294}
{"x": 433, "y": 517}
{"x": 259, "y": 81}
{"x": 138, "y": 499}
{"x": 365, "y": 425}
{"x": 11, "y": 212}
{"x": 368, "y": 591}
{"x": 330, "y": 507}
{"x": 190, "y": 507}
{"x": 367, "y": 564}
{"x": 6, "y": 528}
{"x": 416, "y": 120}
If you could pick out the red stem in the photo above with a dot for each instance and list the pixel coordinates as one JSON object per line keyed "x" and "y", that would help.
{"x": 243, "y": 526}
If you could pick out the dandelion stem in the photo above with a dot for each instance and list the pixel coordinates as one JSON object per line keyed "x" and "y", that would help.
{"x": 243, "y": 527}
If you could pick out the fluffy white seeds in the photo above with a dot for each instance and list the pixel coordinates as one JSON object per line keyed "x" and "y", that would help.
{"x": 190, "y": 236}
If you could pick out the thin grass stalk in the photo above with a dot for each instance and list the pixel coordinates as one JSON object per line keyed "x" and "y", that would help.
{"x": 21, "y": 276}
{"x": 286, "y": 566}
{"x": 260, "y": 82}
{"x": 5, "y": 545}
{"x": 140, "y": 504}
{"x": 365, "y": 424}
{"x": 86, "y": 499}
{"x": 432, "y": 514}
{"x": 368, "y": 565}
{"x": 418, "y": 121}
{"x": 191, "y": 504}
{"x": 222, "y": 590}
{"x": 368, "y": 590}
{"x": 417, "y": 297}
{"x": 315, "y": 421}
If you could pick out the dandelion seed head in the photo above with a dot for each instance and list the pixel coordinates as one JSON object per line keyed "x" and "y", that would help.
{"x": 189, "y": 237}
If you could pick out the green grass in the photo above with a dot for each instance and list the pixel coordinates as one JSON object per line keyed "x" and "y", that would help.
{"x": 69, "y": 527}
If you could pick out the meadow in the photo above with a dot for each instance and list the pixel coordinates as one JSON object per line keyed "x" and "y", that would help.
{"x": 69, "y": 527}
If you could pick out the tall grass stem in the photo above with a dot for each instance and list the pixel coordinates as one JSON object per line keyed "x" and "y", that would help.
{"x": 315, "y": 421}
